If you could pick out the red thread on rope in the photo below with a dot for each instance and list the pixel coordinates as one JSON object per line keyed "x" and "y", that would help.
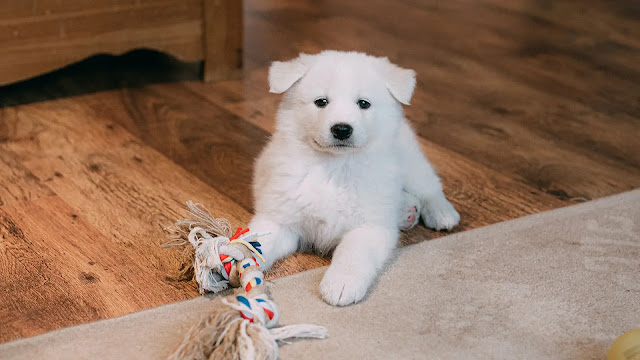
{"x": 246, "y": 317}
{"x": 238, "y": 233}
{"x": 269, "y": 313}
{"x": 228, "y": 265}
{"x": 227, "y": 268}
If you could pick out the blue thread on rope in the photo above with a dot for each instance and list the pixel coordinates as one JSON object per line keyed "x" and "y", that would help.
{"x": 244, "y": 301}
{"x": 256, "y": 245}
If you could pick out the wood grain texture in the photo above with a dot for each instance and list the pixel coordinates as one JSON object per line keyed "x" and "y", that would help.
{"x": 521, "y": 106}
{"x": 49, "y": 35}
{"x": 34, "y": 9}
{"x": 211, "y": 143}
{"x": 222, "y": 39}
{"x": 82, "y": 227}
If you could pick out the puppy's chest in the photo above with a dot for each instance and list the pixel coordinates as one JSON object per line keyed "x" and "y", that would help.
{"x": 324, "y": 194}
{"x": 324, "y": 200}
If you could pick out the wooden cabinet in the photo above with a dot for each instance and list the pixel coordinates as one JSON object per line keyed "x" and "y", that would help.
{"x": 38, "y": 36}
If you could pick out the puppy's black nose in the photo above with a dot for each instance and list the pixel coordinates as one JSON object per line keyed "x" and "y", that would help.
{"x": 341, "y": 131}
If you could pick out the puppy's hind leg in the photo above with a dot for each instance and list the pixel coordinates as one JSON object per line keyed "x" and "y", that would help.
{"x": 409, "y": 212}
{"x": 279, "y": 242}
{"x": 439, "y": 214}
{"x": 422, "y": 181}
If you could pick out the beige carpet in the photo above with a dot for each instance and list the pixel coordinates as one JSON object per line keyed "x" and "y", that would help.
{"x": 557, "y": 285}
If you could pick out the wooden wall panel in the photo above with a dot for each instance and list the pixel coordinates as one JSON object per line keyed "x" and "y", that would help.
{"x": 33, "y": 45}
{"x": 12, "y": 9}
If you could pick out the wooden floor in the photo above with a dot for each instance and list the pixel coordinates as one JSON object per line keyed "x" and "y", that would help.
{"x": 522, "y": 106}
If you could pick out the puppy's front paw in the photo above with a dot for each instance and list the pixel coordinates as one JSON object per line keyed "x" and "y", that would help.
{"x": 440, "y": 215}
{"x": 342, "y": 288}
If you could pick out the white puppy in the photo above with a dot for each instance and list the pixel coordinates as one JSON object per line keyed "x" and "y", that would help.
{"x": 343, "y": 171}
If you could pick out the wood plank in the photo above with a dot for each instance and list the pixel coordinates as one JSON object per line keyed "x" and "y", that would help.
{"x": 106, "y": 200}
{"x": 33, "y": 46}
{"x": 222, "y": 39}
{"x": 211, "y": 143}
{"x": 12, "y": 9}
{"x": 17, "y": 183}
{"x": 62, "y": 278}
{"x": 83, "y": 156}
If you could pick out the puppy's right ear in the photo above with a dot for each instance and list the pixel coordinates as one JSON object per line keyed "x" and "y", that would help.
{"x": 283, "y": 74}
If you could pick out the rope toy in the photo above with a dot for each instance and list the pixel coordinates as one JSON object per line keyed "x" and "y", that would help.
{"x": 240, "y": 326}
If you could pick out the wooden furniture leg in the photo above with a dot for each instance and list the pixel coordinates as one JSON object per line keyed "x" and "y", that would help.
{"x": 222, "y": 39}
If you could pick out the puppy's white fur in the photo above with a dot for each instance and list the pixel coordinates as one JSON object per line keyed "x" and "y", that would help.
{"x": 347, "y": 196}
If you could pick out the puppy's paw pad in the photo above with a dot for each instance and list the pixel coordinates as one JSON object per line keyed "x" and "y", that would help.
{"x": 410, "y": 213}
{"x": 408, "y": 219}
{"x": 340, "y": 289}
{"x": 442, "y": 216}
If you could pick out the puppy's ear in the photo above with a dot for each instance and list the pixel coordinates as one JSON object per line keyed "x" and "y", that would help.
{"x": 399, "y": 81}
{"x": 283, "y": 74}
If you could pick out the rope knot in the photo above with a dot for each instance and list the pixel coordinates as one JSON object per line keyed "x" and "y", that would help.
{"x": 243, "y": 326}
{"x": 216, "y": 258}
{"x": 259, "y": 310}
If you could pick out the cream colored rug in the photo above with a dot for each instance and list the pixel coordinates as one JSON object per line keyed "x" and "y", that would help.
{"x": 556, "y": 285}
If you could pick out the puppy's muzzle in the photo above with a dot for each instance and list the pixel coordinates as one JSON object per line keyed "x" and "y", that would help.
{"x": 341, "y": 131}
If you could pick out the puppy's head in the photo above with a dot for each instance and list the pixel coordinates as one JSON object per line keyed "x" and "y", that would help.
{"x": 340, "y": 102}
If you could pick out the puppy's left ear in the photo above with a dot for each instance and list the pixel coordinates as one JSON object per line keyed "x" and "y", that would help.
{"x": 283, "y": 74}
{"x": 400, "y": 82}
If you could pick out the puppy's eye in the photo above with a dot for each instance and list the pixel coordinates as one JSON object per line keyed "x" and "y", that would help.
{"x": 321, "y": 102}
{"x": 364, "y": 104}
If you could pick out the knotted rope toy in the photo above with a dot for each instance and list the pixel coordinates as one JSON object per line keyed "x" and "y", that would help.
{"x": 240, "y": 326}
